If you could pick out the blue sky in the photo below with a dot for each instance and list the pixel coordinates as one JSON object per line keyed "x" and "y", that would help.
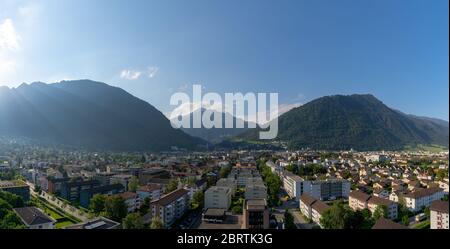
{"x": 396, "y": 50}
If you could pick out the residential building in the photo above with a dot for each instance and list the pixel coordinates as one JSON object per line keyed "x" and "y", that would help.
{"x": 153, "y": 191}
{"x": 439, "y": 215}
{"x": 255, "y": 214}
{"x": 292, "y": 184}
{"x": 123, "y": 179}
{"x": 327, "y": 189}
{"x": 16, "y": 187}
{"x": 358, "y": 200}
{"x": 421, "y": 198}
{"x": 71, "y": 190}
{"x": 229, "y": 183}
{"x": 312, "y": 208}
{"x": 218, "y": 197}
{"x": 34, "y": 218}
{"x": 391, "y": 207}
{"x": 170, "y": 207}
{"x": 132, "y": 201}
{"x": 255, "y": 191}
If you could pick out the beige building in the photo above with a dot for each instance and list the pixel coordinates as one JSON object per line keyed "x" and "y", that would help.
{"x": 218, "y": 197}
{"x": 392, "y": 207}
{"x": 170, "y": 207}
{"x": 439, "y": 215}
{"x": 359, "y": 200}
{"x": 312, "y": 208}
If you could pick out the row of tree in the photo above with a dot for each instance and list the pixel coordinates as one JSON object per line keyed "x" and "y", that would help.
{"x": 272, "y": 181}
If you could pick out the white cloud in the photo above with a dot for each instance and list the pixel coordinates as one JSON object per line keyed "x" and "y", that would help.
{"x": 9, "y": 38}
{"x": 130, "y": 74}
{"x": 283, "y": 108}
{"x": 152, "y": 71}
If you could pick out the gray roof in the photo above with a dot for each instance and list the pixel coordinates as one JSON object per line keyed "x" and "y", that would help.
{"x": 32, "y": 216}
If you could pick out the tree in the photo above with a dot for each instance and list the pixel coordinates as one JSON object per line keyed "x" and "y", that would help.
{"x": 289, "y": 220}
{"x": 427, "y": 211}
{"x": 156, "y": 224}
{"x": 198, "y": 199}
{"x": 145, "y": 205}
{"x": 381, "y": 211}
{"x": 405, "y": 220}
{"x": 337, "y": 216}
{"x": 97, "y": 203}
{"x": 224, "y": 172}
{"x": 38, "y": 189}
{"x": 133, "y": 184}
{"x": 237, "y": 209}
{"x": 172, "y": 185}
{"x": 14, "y": 200}
{"x": 133, "y": 221}
{"x": 115, "y": 208}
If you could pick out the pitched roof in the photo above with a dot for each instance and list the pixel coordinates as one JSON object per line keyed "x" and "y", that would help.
{"x": 423, "y": 192}
{"x": 439, "y": 206}
{"x": 380, "y": 201}
{"x": 170, "y": 197}
{"x": 307, "y": 199}
{"x": 320, "y": 206}
{"x": 150, "y": 187}
{"x": 359, "y": 195}
{"x": 32, "y": 216}
{"x": 384, "y": 223}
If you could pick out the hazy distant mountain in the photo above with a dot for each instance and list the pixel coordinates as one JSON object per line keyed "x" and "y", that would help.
{"x": 357, "y": 121}
{"x": 87, "y": 114}
{"x": 214, "y": 135}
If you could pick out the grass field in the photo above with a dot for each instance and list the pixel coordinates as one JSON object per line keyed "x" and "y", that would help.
{"x": 423, "y": 225}
{"x": 62, "y": 219}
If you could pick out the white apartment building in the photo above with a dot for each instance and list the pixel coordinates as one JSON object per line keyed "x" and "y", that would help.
{"x": 292, "y": 184}
{"x": 218, "y": 197}
{"x": 439, "y": 215}
{"x": 420, "y": 198}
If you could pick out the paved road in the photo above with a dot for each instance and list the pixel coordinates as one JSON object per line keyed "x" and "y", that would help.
{"x": 77, "y": 213}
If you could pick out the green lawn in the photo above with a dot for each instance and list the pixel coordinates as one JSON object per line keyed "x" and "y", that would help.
{"x": 60, "y": 216}
{"x": 64, "y": 224}
{"x": 423, "y": 225}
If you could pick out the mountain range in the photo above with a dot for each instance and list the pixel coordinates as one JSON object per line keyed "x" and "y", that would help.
{"x": 94, "y": 115}
{"x": 87, "y": 114}
{"x": 214, "y": 135}
{"x": 356, "y": 121}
